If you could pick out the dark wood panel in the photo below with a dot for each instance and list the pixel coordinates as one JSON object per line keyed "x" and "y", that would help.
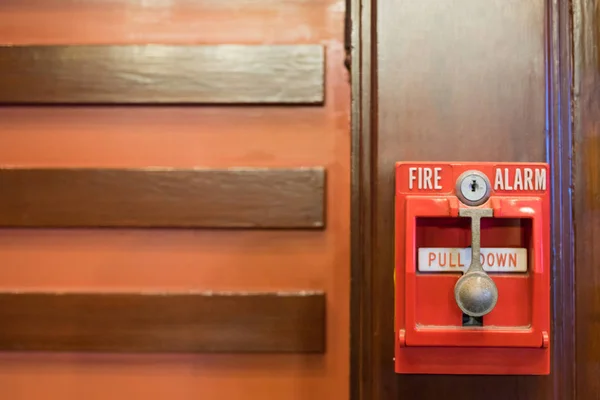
{"x": 162, "y": 322}
{"x": 476, "y": 94}
{"x": 560, "y": 152}
{"x": 155, "y": 197}
{"x": 442, "y": 87}
{"x": 586, "y": 130}
{"x": 160, "y": 74}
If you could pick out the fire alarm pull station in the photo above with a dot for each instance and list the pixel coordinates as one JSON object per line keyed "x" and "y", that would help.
{"x": 472, "y": 273}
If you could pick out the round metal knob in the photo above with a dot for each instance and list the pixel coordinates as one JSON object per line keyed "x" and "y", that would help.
{"x": 476, "y": 293}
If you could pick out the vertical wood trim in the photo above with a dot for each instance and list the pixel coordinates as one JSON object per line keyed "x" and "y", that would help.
{"x": 586, "y": 188}
{"x": 559, "y": 156}
{"x": 362, "y": 77}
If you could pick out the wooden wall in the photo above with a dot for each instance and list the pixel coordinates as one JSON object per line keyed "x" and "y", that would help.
{"x": 152, "y": 202}
{"x": 468, "y": 80}
{"x": 586, "y": 190}
{"x": 472, "y": 80}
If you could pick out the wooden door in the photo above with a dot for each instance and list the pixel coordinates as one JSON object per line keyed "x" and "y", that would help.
{"x": 174, "y": 206}
{"x": 469, "y": 80}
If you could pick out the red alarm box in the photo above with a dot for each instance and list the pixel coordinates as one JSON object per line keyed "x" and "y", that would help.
{"x": 472, "y": 272}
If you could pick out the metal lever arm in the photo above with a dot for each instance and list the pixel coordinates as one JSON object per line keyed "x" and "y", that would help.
{"x": 475, "y": 292}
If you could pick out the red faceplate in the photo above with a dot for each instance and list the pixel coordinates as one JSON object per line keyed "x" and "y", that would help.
{"x": 430, "y": 334}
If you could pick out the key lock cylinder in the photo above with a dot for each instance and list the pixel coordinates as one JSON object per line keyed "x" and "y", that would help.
{"x": 475, "y": 292}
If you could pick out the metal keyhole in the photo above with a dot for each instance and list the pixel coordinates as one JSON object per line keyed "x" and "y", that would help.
{"x": 473, "y": 188}
{"x": 475, "y": 292}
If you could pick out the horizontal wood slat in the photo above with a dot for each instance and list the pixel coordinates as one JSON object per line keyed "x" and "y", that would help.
{"x": 162, "y": 74}
{"x": 163, "y": 198}
{"x": 237, "y": 5}
{"x": 174, "y": 323}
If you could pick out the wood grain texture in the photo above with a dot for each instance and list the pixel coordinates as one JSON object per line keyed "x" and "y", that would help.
{"x": 438, "y": 87}
{"x": 162, "y": 322}
{"x": 169, "y": 21}
{"x": 586, "y": 130}
{"x": 476, "y": 94}
{"x": 560, "y": 156}
{"x": 154, "y": 4}
{"x": 161, "y": 74}
{"x": 155, "y": 197}
{"x": 181, "y": 137}
{"x": 364, "y": 109}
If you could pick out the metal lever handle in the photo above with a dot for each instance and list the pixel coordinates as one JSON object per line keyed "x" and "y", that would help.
{"x": 475, "y": 292}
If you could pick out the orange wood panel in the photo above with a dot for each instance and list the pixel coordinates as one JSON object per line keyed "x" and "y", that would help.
{"x": 167, "y": 21}
{"x": 105, "y": 260}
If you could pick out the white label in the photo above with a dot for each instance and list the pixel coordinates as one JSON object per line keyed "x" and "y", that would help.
{"x": 493, "y": 259}
{"x": 424, "y": 178}
{"x": 520, "y": 179}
